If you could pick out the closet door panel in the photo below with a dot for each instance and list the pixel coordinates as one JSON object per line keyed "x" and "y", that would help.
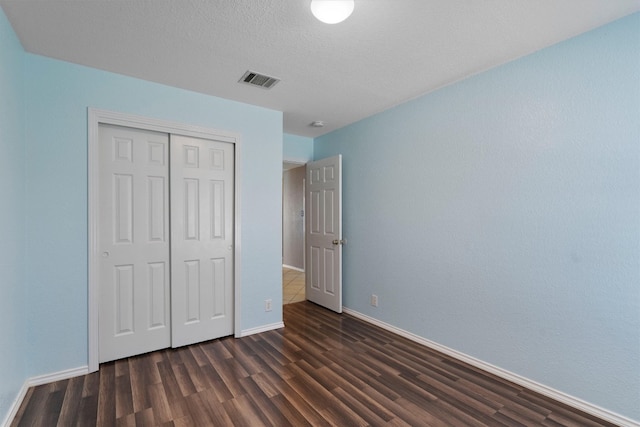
{"x": 202, "y": 174}
{"x": 133, "y": 241}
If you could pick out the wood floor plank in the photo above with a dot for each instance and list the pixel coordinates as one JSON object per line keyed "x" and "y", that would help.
{"x": 123, "y": 393}
{"x": 218, "y": 386}
{"x": 128, "y": 420}
{"x": 322, "y": 369}
{"x": 145, "y": 418}
{"x": 34, "y": 407}
{"x": 309, "y": 390}
{"x": 139, "y": 383}
{"x": 356, "y": 396}
{"x": 185, "y": 421}
{"x": 265, "y": 386}
{"x": 200, "y": 382}
{"x": 20, "y": 414}
{"x": 91, "y": 384}
{"x": 215, "y": 350}
{"x": 465, "y": 417}
{"x": 87, "y": 410}
{"x": 53, "y": 405}
{"x": 371, "y": 414}
{"x": 172, "y": 391}
{"x": 198, "y": 355}
{"x": 424, "y": 417}
{"x": 264, "y": 404}
{"x": 394, "y": 405}
{"x": 159, "y": 403}
{"x": 463, "y": 399}
{"x": 198, "y": 410}
{"x": 487, "y": 380}
{"x": 339, "y": 414}
{"x": 305, "y": 408}
{"x": 396, "y": 422}
{"x": 288, "y": 350}
{"x": 183, "y": 379}
{"x": 280, "y": 371}
{"x": 243, "y": 412}
{"x": 230, "y": 372}
{"x": 243, "y": 352}
{"x": 70, "y": 404}
{"x": 107, "y": 396}
{"x": 215, "y": 409}
{"x": 289, "y": 412}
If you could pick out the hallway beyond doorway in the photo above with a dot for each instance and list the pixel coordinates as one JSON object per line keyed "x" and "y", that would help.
{"x": 292, "y": 286}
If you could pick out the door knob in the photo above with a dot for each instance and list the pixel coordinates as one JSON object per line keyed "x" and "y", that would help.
{"x": 339, "y": 242}
{"x": 105, "y": 254}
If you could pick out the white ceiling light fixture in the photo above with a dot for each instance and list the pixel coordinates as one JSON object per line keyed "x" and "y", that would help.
{"x": 332, "y": 11}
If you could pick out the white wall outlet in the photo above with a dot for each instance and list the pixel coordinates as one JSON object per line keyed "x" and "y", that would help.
{"x": 267, "y": 305}
{"x": 374, "y": 300}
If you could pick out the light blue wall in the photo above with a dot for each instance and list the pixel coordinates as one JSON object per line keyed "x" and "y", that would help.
{"x": 297, "y": 149}
{"x": 500, "y": 216}
{"x": 57, "y": 97}
{"x": 12, "y": 223}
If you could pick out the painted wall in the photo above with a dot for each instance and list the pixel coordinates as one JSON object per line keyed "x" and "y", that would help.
{"x": 292, "y": 220}
{"x": 298, "y": 149}
{"x": 12, "y": 219}
{"x": 57, "y": 97}
{"x": 500, "y": 216}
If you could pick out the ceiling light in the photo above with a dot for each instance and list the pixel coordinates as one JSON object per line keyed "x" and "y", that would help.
{"x": 317, "y": 123}
{"x": 332, "y": 11}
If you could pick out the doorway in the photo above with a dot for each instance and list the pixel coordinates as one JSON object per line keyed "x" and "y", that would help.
{"x": 293, "y": 232}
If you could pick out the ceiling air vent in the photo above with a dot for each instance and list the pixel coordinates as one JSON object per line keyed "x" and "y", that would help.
{"x": 257, "y": 79}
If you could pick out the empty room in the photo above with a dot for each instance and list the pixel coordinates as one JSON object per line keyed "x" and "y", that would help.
{"x": 467, "y": 212}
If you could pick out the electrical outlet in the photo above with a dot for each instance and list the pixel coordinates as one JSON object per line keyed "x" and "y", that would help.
{"x": 267, "y": 305}
{"x": 374, "y": 300}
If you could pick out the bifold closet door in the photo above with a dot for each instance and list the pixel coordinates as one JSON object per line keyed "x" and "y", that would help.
{"x": 202, "y": 202}
{"x": 133, "y": 239}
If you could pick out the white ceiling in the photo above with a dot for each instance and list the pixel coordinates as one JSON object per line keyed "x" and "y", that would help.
{"x": 387, "y": 52}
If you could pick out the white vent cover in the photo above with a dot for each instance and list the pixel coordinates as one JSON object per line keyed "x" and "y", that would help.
{"x": 257, "y": 79}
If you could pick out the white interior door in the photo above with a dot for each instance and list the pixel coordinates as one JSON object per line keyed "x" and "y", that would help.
{"x": 324, "y": 233}
{"x": 133, "y": 241}
{"x": 202, "y": 200}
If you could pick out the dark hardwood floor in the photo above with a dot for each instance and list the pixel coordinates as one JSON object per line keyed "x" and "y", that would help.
{"x": 322, "y": 369}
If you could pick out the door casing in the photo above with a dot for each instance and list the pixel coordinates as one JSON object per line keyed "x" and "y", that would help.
{"x": 96, "y": 117}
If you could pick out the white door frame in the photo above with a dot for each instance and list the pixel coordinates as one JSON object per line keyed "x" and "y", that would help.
{"x": 95, "y": 117}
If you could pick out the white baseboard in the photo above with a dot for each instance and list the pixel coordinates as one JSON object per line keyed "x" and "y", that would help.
{"x": 39, "y": 380}
{"x": 290, "y": 267}
{"x": 57, "y": 376}
{"x": 259, "y": 329}
{"x": 503, "y": 373}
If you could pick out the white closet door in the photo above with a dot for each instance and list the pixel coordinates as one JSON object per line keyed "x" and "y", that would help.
{"x": 133, "y": 241}
{"x": 202, "y": 200}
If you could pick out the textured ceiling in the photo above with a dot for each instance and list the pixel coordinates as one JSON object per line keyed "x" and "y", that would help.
{"x": 387, "y": 52}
